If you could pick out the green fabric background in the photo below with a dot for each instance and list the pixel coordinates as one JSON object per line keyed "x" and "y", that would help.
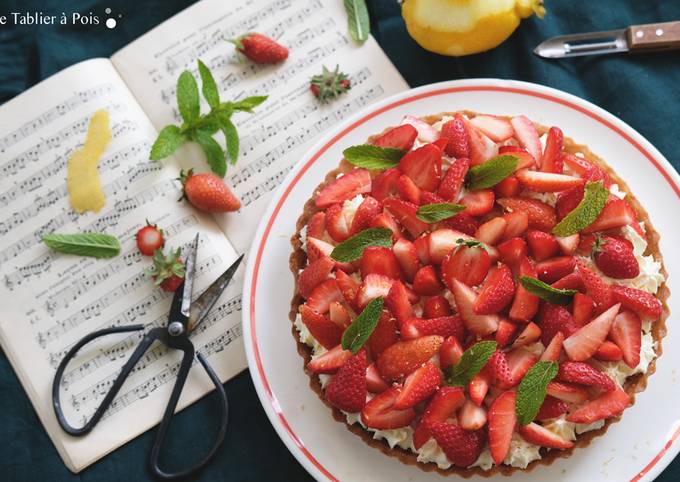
{"x": 642, "y": 90}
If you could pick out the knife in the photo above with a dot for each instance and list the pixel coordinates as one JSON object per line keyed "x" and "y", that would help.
{"x": 651, "y": 37}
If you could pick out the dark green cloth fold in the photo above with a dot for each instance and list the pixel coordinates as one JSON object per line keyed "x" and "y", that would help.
{"x": 642, "y": 90}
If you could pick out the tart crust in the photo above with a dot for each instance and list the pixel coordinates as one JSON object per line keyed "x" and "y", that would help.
{"x": 633, "y": 385}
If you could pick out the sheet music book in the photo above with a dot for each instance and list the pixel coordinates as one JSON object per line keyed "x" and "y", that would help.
{"x": 51, "y": 300}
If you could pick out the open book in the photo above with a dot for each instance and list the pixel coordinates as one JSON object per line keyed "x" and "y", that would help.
{"x": 51, "y": 300}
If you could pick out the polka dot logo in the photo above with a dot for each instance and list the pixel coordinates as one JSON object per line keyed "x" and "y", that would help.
{"x": 111, "y": 21}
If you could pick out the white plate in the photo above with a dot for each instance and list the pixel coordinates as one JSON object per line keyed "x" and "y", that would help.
{"x": 636, "y": 448}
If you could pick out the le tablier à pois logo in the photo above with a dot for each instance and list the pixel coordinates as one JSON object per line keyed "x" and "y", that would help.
{"x": 109, "y": 19}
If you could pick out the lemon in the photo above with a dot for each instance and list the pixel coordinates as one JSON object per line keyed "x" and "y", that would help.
{"x": 463, "y": 27}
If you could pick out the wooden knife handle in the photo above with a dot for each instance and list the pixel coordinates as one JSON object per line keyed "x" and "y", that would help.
{"x": 654, "y": 36}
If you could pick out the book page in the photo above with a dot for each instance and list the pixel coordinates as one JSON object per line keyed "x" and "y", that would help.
{"x": 51, "y": 300}
{"x": 291, "y": 120}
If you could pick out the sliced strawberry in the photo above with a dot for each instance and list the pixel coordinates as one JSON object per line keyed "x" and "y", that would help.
{"x": 374, "y": 382}
{"x": 443, "y": 325}
{"x": 471, "y": 416}
{"x": 512, "y": 252}
{"x": 316, "y": 248}
{"x": 384, "y": 335}
{"x": 543, "y": 245}
{"x": 424, "y": 166}
{"x": 584, "y": 343}
{"x": 379, "y": 412}
{"x": 478, "y": 203}
{"x": 426, "y": 133}
{"x": 401, "y": 137}
{"x": 326, "y": 332}
{"x": 398, "y": 303}
{"x": 339, "y": 315}
{"x": 465, "y": 300}
{"x": 508, "y": 187}
{"x": 408, "y": 190}
{"x": 380, "y": 260}
{"x": 609, "y": 351}
{"x": 348, "y": 287}
{"x": 402, "y": 358}
{"x": 418, "y": 386}
{"x": 505, "y": 333}
{"x": 450, "y": 352}
{"x": 530, "y": 334}
{"x": 584, "y": 374}
{"x": 582, "y": 308}
{"x": 479, "y": 386}
{"x": 552, "y": 154}
{"x": 568, "y": 244}
{"x": 314, "y": 274}
{"x": 386, "y": 220}
{"x": 336, "y": 223}
{"x": 609, "y": 404}
{"x": 329, "y": 362}
{"x": 385, "y": 184}
{"x": 553, "y": 269}
{"x": 554, "y": 349}
{"x": 436, "y": 306}
{"x": 364, "y": 215}
{"x": 441, "y": 243}
{"x": 499, "y": 370}
{"x": 567, "y": 392}
{"x": 627, "y": 334}
{"x": 406, "y": 255}
{"x": 644, "y": 304}
{"x": 323, "y": 295}
{"x": 615, "y": 214}
{"x": 519, "y": 362}
{"x": 459, "y": 140}
{"x": 449, "y": 189}
{"x": 516, "y": 224}
{"x": 491, "y": 231}
{"x": 373, "y": 286}
{"x": 443, "y": 405}
{"x": 547, "y": 181}
{"x": 405, "y": 212}
{"x": 598, "y": 290}
{"x": 469, "y": 264}
{"x": 553, "y": 319}
{"x": 495, "y": 128}
{"x": 576, "y": 163}
{"x": 551, "y": 408}
{"x": 357, "y": 181}
{"x": 502, "y": 420}
{"x": 568, "y": 200}
{"x": 572, "y": 281}
{"x": 497, "y": 291}
{"x": 422, "y": 246}
{"x": 541, "y": 215}
{"x": 426, "y": 282}
{"x": 427, "y": 197}
{"x": 526, "y": 160}
{"x": 526, "y": 134}
{"x": 461, "y": 446}
{"x": 524, "y": 305}
{"x": 441, "y": 143}
{"x": 347, "y": 389}
{"x": 316, "y": 226}
{"x": 462, "y": 222}
{"x": 539, "y": 435}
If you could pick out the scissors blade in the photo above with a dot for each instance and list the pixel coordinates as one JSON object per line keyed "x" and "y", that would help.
{"x": 204, "y": 303}
{"x": 190, "y": 271}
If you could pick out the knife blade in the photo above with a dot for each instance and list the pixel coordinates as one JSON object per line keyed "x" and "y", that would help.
{"x": 651, "y": 37}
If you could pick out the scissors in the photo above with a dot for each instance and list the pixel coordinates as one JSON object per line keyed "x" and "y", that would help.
{"x": 184, "y": 317}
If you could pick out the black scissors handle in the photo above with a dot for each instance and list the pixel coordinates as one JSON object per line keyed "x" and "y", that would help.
{"x": 177, "y": 342}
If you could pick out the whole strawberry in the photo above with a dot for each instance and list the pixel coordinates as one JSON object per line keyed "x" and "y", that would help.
{"x": 260, "y": 48}
{"x": 149, "y": 239}
{"x": 329, "y": 84}
{"x": 167, "y": 271}
{"x": 207, "y": 192}
{"x": 615, "y": 258}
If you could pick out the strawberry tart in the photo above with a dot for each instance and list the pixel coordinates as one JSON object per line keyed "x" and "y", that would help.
{"x": 476, "y": 293}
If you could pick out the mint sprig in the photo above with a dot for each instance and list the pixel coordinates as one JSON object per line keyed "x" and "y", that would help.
{"x": 95, "y": 245}
{"x": 471, "y": 363}
{"x": 595, "y": 197}
{"x": 532, "y": 390}
{"x": 353, "y": 248}
{"x": 360, "y": 330}
{"x": 546, "y": 292}
{"x": 433, "y": 213}
{"x": 358, "y": 21}
{"x": 373, "y": 157}
{"x": 491, "y": 172}
{"x": 201, "y": 128}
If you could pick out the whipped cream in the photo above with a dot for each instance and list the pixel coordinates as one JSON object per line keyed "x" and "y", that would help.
{"x": 619, "y": 371}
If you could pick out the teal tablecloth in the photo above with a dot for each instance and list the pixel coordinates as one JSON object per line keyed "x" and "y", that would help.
{"x": 642, "y": 90}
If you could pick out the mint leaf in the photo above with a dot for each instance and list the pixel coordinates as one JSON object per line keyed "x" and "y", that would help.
{"x": 471, "y": 363}
{"x": 231, "y": 136}
{"x": 363, "y": 325}
{"x": 213, "y": 151}
{"x": 432, "y": 213}
{"x": 594, "y": 199}
{"x": 247, "y": 104}
{"x": 532, "y": 390}
{"x": 169, "y": 139}
{"x": 96, "y": 245}
{"x": 353, "y": 248}
{"x": 373, "y": 157}
{"x": 187, "y": 97}
{"x": 358, "y": 22}
{"x": 546, "y": 292}
{"x": 491, "y": 172}
{"x": 208, "y": 85}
